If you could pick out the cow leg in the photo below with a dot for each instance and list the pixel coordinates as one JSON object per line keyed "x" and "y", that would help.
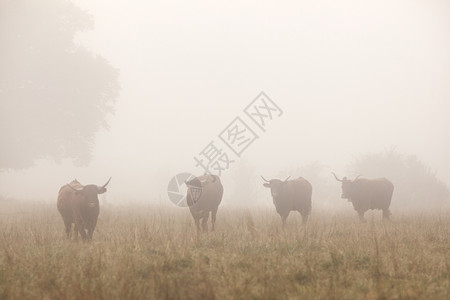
{"x": 283, "y": 219}
{"x": 213, "y": 219}
{"x": 197, "y": 223}
{"x": 361, "y": 217}
{"x": 84, "y": 234}
{"x": 386, "y": 214}
{"x": 205, "y": 218}
{"x": 304, "y": 217}
{"x": 75, "y": 231}
{"x": 91, "y": 229}
{"x": 68, "y": 225}
{"x": 80, "y": 226}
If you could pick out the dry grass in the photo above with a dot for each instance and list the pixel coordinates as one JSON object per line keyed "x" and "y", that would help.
{"x": 152, "y": 252}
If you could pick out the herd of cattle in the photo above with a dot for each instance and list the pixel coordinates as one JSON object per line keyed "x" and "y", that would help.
{"x": 79, "y": 204}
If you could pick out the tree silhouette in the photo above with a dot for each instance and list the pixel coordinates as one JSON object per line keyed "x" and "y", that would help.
{"x": 54, "y": 94}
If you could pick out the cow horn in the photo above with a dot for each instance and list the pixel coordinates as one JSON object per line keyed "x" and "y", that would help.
{"x": 76, "y": 190}
{"x": 265, "y": 179}
{"x": 287, "y": 178}
{"x": 103, "y": 186}
{"x": 336, "y": 177}
{"x": 357, "y": 177}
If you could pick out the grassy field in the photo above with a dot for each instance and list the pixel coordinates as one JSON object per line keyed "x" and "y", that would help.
{"x": 153, "y": 252}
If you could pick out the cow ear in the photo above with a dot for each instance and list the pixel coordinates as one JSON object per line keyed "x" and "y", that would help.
{"x": 266, "y": 184}
{"x": 101, "y": 190}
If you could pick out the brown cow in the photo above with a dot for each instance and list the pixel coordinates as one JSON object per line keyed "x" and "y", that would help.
{"x": 367, "y": 194}
{"x": 290, "y": 195}
{"x": 79, "y": 205}
{"x": 204, "y": 195}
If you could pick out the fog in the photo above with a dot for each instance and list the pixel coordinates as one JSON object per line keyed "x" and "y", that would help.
{"x": 351, "y": 78}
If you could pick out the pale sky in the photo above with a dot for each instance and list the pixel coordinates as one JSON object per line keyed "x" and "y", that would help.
{"x": 352, "y": 77}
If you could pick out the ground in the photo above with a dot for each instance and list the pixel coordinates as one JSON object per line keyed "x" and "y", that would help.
{"x": 153, "y": 252}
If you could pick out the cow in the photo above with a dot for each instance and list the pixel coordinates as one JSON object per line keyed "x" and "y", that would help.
{"x": 203, "y": 196}
{"x": 79, "y": 205}
{"x": 367, "y": 194}
{"x": 290, "y": 195}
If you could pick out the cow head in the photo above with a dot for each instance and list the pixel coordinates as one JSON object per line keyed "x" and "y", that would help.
{"x": 347, "y": 186}
{"x": 201, "y": 181}
{"x": 90, "y": 192}
{"x": 275, "y": 185}
{"x": 195, "y": 188}
{"x": 196, "y": 182}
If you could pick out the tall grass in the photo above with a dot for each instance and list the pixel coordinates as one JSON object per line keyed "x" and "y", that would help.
{"x": 153, "y": 252}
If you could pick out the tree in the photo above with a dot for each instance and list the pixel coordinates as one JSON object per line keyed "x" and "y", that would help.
{"x": 416, "y": 185}
{"x": 54, "y": 94}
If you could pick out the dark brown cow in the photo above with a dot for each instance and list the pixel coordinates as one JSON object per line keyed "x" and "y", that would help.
{"x": 290, "y": 195}
{"x": 79, "y": 205}
{"x": 367, "y": 194}
{"x": 204, "y": 195}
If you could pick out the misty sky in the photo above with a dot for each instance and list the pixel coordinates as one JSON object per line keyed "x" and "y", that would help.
{"x": 352, "y": 77}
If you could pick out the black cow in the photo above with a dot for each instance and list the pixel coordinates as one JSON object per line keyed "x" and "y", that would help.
{"x": 290, "y": 195}
{"x": 367, "y": 194}
{"x": 204, "y": 195}
{"x": 79, "y": 205}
